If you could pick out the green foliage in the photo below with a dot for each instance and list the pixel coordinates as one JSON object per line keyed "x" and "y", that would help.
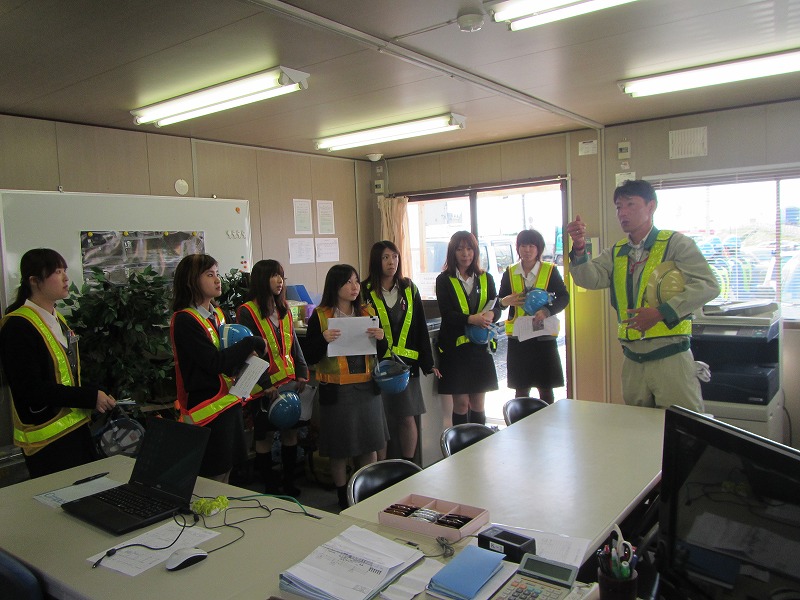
{"x": 234, "y": 287}
{"x": 124, "y": 333}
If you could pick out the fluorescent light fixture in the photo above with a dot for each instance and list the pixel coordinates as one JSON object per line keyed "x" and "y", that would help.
{"x": 238, "y": 92}
{"x": 523, "y": 14}
{"x": 739, "y": 70}
{"x": 399, "y": 131}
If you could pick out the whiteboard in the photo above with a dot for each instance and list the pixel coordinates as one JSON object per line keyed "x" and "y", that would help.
{"x": 55, "y": 220}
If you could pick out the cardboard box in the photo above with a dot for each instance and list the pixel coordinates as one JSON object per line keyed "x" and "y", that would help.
{"x": 478, "y": 517}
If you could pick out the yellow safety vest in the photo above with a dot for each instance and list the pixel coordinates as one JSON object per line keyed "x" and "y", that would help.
{"x": 32, "y": 438}
{"x": 281, "y": 367}
{"x": 518, "y": 286}
{"x": 334, "y": 369}
{"x": 206, "y": 411}
{"x": 620, "y": 272}
{"x": 462, "y": 300}
{"x": 400, "y": 348}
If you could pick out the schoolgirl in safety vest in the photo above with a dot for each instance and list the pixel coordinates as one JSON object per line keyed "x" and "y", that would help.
{"x": 352, "y": 421}
{"x": 203, "y": 370}
{"x": 397, "y": 303}
{"x": 51, "y": 408}
{"x": 266, "y": 313}
{"x": 467, "y": 297}
{"x": 534, "y": 362}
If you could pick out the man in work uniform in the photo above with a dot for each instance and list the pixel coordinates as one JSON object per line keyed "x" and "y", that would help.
{"x": 658, "y": 368}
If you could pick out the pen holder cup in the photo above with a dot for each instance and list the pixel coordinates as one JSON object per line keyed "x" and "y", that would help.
{"x": 612, "y": 588}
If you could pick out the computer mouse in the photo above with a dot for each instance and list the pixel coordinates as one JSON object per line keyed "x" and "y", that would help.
{"x": 184, "y": 557}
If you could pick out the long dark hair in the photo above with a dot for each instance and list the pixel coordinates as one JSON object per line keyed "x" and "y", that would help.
{"x": 451, "y": 263}
{"x": 376, "y": 266}
{"x": 260, "y": 289}
{"x": 39, "y": 263}
{"x": 186, "y": 284}
{"x": 337, "y": 276}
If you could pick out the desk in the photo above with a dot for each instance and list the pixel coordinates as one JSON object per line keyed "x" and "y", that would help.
{"x": 57, "y": 545}
{"x": 574, "y": 468}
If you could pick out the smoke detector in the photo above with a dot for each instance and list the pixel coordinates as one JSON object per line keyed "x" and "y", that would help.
{"x": 470, "y": 22}
{"x": 374, "y": 157}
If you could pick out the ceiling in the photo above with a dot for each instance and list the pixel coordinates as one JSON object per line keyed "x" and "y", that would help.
{"x": 375, "y": 62}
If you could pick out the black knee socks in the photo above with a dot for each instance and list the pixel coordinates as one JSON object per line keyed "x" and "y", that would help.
{"x": 477, "y": 417}
{"x": 288, "y": 464}
{"x": 460, "y": 419}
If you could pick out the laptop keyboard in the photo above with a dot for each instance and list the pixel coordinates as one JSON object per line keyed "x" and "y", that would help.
{"x": 132, "y": 503}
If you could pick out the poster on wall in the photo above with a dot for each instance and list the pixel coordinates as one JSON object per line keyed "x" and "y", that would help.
{"x": 119, "y": 253}
{"x": 302, "y": 216}
{"x": 327, "y": 249}
{"x": 325, "y": 222}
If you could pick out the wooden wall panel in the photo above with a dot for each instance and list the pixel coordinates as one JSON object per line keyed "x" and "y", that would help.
{"x": 94, "y": 159}
{"x": 28, "y": 155}
{"x": 169, "y": 159}
{"x": 414, "y": 173}
{"x": 537, "y": 157}
{"x": 227, "y": 171}
{"x": 471, "y": 165}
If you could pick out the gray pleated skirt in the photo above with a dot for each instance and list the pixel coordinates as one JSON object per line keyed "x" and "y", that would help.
{"x": 354, "y": 424}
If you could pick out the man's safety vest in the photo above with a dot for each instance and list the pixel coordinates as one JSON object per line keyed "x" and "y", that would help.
{"x": 399, "y": 348}
{"x": 517, "y": 280}
{"x": 334, "y": 369}
{"x": 462, "y": 300}
{"x": 281, "y": 365}
{"x": 206, "y": 411}
{"x": 620, "y": 273}
{"x": 32, "y": 438}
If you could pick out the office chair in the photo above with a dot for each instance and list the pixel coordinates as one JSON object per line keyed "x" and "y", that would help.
{"x": 372, "y": 478}
{"x": 517, "y": 408}
{"x": 458, "y": 437}
{"x": 18, "y": 581}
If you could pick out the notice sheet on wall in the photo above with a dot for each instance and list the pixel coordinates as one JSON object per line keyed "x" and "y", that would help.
{"x": 325, "y": 222}
{"x": 301, "y": 250}
{"x": 302, "y": 216}
{"x": 327, "y": 249}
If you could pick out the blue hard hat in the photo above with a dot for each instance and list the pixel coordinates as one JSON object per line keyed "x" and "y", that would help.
{"x": 479, "y": 335}
{"x": 231, "y": 333}
{"x": 391, "y": 376}
{"x": 536, "y": 299}
{"x": 285, "y": 411}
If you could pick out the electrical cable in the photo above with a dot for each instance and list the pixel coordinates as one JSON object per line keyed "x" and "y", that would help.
{"x": 183, "y": 526}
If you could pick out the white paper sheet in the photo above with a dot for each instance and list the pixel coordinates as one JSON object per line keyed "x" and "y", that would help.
{"x": 249, "y": 377}
{"x": 525, "y": 329}
{"x": 354, "y": 340}
{"x": 56, "y": 498}
{"x": 555, "y": 546}
{"x": 132, "y": 561}
{"x": 301, "y": 251}
{"x": 327, "y": 249}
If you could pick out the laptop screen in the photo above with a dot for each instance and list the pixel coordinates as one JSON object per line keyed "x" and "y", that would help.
{"x": 170, "y": 457}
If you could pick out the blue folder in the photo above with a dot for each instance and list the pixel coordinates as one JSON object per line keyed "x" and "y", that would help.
{"x": 466, "y": 573}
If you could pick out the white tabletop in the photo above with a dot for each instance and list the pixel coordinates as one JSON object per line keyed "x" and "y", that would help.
{"x": 57, "y": 545}
{"x": 574, "y": 468}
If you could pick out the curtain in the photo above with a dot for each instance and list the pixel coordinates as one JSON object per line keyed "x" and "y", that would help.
{"x": 394, "y": 227}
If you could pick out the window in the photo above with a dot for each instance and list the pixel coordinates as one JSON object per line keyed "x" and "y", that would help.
{"x": 749, "y": 231}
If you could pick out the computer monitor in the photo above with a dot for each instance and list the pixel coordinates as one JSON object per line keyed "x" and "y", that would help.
{"x": 729, "y": 513}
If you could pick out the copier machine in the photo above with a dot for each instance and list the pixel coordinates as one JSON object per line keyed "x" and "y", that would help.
{"x": 740, "y": 341}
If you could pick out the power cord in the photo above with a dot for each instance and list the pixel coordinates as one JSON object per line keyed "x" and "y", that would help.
{"x": 183, "y": 525}
{"x": 447, "y": 548}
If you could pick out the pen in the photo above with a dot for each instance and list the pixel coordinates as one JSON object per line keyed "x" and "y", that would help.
{"x": 90, "y": 478}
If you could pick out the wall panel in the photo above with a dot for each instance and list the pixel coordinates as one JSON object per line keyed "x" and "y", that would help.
{"x": 169, "y": 159}
{"x": 28, "y": 156}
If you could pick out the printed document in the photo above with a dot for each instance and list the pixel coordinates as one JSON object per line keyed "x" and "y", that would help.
{"x": 526, "y": 329}
{"x": 353, "y": 340}
{"x": 249, "y": 377}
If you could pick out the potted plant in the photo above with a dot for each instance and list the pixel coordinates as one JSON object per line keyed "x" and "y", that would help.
{"x": 124, "y": 334}
{"x": 234, "y": 288}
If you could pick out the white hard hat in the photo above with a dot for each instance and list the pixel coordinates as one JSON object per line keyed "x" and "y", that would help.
{"x": 665, "y": 282}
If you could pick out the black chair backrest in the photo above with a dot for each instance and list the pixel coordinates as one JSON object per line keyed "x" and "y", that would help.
{"x": 17, "y": 581}
{"x": 517, "y": 408}
{"x": 371, "y": 479}
{"x": 458, "y": 437}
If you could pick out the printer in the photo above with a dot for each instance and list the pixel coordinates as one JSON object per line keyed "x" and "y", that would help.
{"x": 740, "y": 341}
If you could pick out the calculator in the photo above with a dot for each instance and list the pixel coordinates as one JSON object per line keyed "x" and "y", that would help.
{"x": 538, "y": 579}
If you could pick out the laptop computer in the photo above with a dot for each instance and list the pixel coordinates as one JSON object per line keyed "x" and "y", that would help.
{"x": 161, "y": 484}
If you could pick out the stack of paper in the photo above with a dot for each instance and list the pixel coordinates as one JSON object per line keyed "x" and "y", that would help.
{"x": 355, "y": 565}
{"x": 464, "y": 576}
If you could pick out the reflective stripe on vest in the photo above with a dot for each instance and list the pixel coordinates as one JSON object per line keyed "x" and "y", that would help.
{"x": 620, "y": 269}
{"x": 399, "y": 349}
{"x": 334, "y": 369}
{"x": 518, "y": 287}
{"x": 462, "y": 300}
{"x": 32, "y": 438}
{"x": 206, "y": 411}
{"x": 281, "y": 367}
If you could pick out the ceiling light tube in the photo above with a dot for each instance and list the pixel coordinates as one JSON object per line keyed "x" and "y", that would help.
{"x": 740, "y": 70}
{"x": 530, "y": 13}
{"x": 238, "y": 92}
{"x": 398, "y": 131}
